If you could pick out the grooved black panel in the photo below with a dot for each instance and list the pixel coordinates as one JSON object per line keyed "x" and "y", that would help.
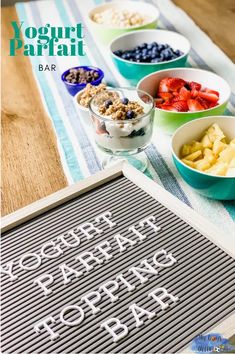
{"x": 203, "y": 278}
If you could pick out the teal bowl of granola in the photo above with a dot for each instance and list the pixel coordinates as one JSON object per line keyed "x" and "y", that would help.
{"x": 112, "y": 19}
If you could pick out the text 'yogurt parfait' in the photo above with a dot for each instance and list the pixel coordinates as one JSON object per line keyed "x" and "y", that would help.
{"x": 122, "y": 120}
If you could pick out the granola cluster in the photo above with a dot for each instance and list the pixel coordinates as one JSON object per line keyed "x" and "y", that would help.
{"x": 121, "y": 109}
{"x": 89, "y": 92}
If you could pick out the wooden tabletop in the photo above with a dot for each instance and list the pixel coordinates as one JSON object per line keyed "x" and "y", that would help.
{"x": 31, "y": 167}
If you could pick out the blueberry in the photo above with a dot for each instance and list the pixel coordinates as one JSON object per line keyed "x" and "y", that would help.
{"x": 124, "y": 56}
{"x": 154, "y": 44}
{"x": 130, "y": 114}
{"x": 149, "y": 46}
{"x": 108, "y": 103}
{"x": 138, "y": 56}
{"x": 143, "y": 45}
{"x": 139, "y": 132}
{"x": 155, "y": 60}
{"x": 161, "y": 47}
{"x": 144, "y": 51}
{"x": 118, "y": 52}
{"x": 125, "y": 100}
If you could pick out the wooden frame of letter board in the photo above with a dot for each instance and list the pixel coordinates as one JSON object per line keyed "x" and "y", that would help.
{"x": 223, "y": 240}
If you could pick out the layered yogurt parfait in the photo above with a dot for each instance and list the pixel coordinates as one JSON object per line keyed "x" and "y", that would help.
{"x": 122, "y": 120}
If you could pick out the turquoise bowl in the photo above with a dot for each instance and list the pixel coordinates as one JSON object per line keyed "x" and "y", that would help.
{"x": 214, "y": 187}
{"x": 106, "y": 32}
{"x": 169, "y": 121}
{"x": 136, "y": 71}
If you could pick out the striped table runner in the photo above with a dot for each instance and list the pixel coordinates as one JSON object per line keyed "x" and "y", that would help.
{"x": 79, "y": 155}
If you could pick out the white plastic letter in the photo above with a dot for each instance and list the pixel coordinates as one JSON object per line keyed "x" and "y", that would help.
{"x": 54, "y": 247}
{"x": 105, "y": 217}
{"x": 69, "y": 308}
{"x": 43, "y": 281}
{"x": 44, "y": 325}
{"x": 163, "y": 295}
{"x": 148, "y": 269}
{"x": 87, "y": 228}
{"x": 30, "y": 255}
{"x": 70, "y": 244}
{"x": 103, "y": 248}
{"x": 116, "y": 326}
{"x": 8, "y": 270}
{"x": 149, "y": 221}
{"x": 87, "y": 257}
{"x": 109, "y": 288}
{"x": 121, "y": 240}
{"x": 125, "y": 282}
{"x": 139, "y": 312}
{"x": 92, "y": 298}
{"x": 168, "y": 256}
{"x": 137, "y": 233}
{"x": 67, "y": 271}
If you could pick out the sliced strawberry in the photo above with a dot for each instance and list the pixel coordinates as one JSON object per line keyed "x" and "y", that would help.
{"x": 163, "y": 86}
{"x": 181, "y": 106}
{"x": 203, "y": 102}
{"x": 175, "y": 83}
{"x": 194, "y": 105}
{"x": 213, "y": 104}
{"x": 168, "y": 107}
{"x": 184, "y": 94}
{"x": 212, "y": 91}
{"x": 194, "y": 93}
{"x": 158, "y": 101}
{"x": 165, "y": 95}
{"x": 211, "y": 97}
{"x": 195, "y": 85}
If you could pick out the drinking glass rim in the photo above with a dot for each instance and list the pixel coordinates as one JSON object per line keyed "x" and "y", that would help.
{"x": 122, "y": 120}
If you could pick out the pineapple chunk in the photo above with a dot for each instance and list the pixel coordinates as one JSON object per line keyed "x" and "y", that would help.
{"x": 218, "y": 146}
{"x": 232, "y": 142}
{"x": 227, "y": 154}
{"x": 206, "y": 143}
{"x": 219, "y": 169}
{"x": 209, "y": 156}
{"x": 202, "y": 165}
{"x": 186, "y": 150}
{"x": 196, "y": 145}
{"x": 189, "y": 163}
{"x": 194, "y": 155}
{"x": 214, "y": 132}
{"x": 232, "y": 163}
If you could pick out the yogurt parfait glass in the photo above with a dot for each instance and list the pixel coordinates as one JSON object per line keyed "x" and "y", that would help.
{"x": 122, "y": 120}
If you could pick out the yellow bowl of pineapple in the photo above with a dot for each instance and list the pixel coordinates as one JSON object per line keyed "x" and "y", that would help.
{"x": 203, "y": 151}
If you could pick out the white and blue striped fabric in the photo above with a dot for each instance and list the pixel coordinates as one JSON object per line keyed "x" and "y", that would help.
{"x": 79, "y": 155}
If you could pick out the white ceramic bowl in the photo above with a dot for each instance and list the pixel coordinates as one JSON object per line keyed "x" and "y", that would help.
{"x": 169, "y": 121}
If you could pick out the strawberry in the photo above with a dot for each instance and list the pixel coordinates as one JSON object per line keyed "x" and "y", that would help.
{"x": 211, "y": 97}
{"x": 158, "y": 101}
{"x": 181, "y": 106}
{"x": 194, "y": 93}
{"x": 212, "y": 91}
{"x": 168, "y": 107}
{"x": 194, "y": 105}
{"x": 203, "y": 102}
{"x": 195, "y": 85}
{"x": 184, "y": 94}
{"x": 174, "y": 83}
{"x": 165, "y": 95}
{"x": 212, "y": 104}
{"x": 163, "y": 85}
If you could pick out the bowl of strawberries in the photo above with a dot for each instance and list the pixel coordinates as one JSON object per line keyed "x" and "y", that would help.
{"x": 185, "y": 94}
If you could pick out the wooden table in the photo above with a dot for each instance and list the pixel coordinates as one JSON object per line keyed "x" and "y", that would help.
{"x": 31, "y": 167}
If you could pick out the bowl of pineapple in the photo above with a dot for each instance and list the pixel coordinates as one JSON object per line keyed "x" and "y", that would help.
{"x": 203, "y": 151}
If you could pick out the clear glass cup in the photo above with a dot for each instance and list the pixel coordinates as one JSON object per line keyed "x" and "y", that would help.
{"x": 118, "y": 132}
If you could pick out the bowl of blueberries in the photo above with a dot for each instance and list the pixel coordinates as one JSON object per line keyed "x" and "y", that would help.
{"x": 139, "y": 53}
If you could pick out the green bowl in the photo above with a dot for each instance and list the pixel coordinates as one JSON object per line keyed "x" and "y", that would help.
{"x": 106, "y": 33}
{"x": 169, "y": 121}
{"x": 136, "y": 71}
{"x": 214, "y": 187}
